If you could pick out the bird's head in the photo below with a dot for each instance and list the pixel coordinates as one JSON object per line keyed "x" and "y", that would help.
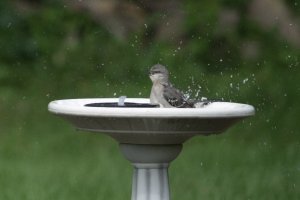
{"x": 159, "y": 73}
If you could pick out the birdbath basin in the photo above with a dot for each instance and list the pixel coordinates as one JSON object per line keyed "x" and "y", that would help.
{"x": 150, "y": 137}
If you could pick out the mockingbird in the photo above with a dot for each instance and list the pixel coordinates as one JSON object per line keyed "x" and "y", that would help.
{"x": 163, "y": 92}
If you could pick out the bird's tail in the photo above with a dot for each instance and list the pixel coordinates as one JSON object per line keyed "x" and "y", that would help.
{"x": 194, "y": 103}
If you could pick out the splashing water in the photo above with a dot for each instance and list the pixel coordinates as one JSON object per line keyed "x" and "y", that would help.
{"x": 193, "y": 91}
{"x": 245, "y": 80}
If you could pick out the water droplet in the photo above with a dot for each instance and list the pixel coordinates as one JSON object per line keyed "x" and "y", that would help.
{"x": 245, "y": 80}
{"x": 203, "y": 98}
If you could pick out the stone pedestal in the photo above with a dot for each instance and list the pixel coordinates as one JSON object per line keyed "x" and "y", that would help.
{"x": 150, "y": 176}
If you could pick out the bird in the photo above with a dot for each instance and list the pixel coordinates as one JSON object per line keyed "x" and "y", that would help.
{"x": 164, "y": 93}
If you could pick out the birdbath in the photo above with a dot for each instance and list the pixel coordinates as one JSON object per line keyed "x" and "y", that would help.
{"x": 150, "y": 137}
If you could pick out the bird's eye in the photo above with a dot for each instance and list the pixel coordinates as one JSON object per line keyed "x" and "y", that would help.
{"x": 154, "y": 72}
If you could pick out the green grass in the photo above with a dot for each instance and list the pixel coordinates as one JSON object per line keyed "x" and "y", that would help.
{"x": 56, "y": 162}
{"x": 42, "y": 157}
{"x": 224, "y": 168}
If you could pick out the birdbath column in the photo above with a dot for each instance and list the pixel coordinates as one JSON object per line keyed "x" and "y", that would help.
{"x": 150, "y": 176}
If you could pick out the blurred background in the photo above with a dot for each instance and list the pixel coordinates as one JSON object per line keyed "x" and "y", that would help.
{"x": 235, "y": 50}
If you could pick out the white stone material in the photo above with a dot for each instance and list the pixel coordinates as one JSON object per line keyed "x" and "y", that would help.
{"x": 213, "y": 110}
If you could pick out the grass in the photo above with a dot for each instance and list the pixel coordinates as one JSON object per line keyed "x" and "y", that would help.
{"x": 59, "y": 163}
{"x": 42, "y": 157}
{"x": 226, "y": 169}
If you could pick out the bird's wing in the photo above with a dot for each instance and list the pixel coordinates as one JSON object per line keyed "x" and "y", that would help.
{"x": 173, "y": 96}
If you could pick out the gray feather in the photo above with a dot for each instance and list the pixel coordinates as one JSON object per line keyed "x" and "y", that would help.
{"x": 175, "y": 98}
